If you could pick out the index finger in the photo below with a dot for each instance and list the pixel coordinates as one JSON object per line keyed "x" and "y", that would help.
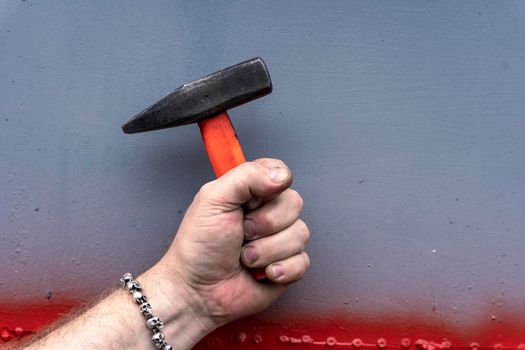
{"x": 247, "y": 181}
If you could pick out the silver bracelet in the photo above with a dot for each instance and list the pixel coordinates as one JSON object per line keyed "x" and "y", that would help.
{"x": 153, "y": 322}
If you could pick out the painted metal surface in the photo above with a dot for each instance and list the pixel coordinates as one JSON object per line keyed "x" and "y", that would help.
{"x": 403, "y": 123}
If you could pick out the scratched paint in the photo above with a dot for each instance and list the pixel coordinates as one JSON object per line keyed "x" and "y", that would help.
{"x": 402, "y": 122}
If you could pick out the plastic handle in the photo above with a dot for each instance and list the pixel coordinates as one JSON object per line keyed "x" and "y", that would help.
{"x": 222, "y": 145}
{"x": 224, "y": 151}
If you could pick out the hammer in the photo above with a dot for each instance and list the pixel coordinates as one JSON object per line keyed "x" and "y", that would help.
{"x": 206, "y": 101}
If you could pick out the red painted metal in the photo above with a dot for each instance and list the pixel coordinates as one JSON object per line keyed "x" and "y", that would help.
{"x": 23, "y": 319}
{"x": 317, "y": 331}
{"x": 346, "y": 331}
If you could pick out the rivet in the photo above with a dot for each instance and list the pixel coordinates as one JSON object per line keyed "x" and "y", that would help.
{"x": 498, "y": 347}
{"x": 295, "y": 340}
{"x": 241, "y": 338}
{"x": 306, "y": 339}
{"x": 357, "y": 343}
{"x": 19, "y": 330}
{"x": 405, "y": 343}
{"x": 421, "y": 344}
{"x": 257, "y": 339}
{"x": 474, "y": 346}
{"x": 4, "y": 334}
{"x": 284, "y": 339}
{"x": 381, "y": 343}
{"x": 331, "y": 341}
{"x": 446, "y": 344}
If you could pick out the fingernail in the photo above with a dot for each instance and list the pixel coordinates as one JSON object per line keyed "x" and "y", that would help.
{"x": 253, "y": 203}
{"x": 250, "y": 255}
{"x": 249, "y": 228}
{"x": 278, "y": 174}
{"x": 277, "y": 271}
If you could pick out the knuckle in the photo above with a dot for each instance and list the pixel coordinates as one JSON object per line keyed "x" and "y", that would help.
{"x": 298, "y": 273}
{"x": 303, "y": 231}
{"x": 205, "y": 190}
{"x": 250, "y": 168}
{"x": 266, "y": 221}
{"x": 297, "y": 199}
{"x": 296, "y": 270}
{"x": 306, "y": 258}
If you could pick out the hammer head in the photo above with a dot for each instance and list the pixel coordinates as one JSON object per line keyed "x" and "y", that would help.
{"x": 205, "y": 97}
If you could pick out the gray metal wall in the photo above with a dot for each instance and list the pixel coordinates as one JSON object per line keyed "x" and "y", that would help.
{"x": 404, "y": 124}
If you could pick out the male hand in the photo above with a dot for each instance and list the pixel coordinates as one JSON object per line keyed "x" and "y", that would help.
{"x": 248, "y": 218}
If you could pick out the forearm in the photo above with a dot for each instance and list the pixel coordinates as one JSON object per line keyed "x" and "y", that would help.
{"x": 202, "y": 281}
{"x": 117, "y": 323}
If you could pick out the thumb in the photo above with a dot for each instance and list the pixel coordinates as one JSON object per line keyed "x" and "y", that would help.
{"x": 246, "y": 181}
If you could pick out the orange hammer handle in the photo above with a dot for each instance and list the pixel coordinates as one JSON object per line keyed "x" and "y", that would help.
{"x": 224, "y": 151}
{"x": 222, "y": 145}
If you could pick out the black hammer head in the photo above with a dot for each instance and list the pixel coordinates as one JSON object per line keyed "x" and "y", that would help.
{"x": 205, "y": 97}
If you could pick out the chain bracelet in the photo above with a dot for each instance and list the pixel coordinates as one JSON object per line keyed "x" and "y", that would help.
{"x": 153, "y": 322}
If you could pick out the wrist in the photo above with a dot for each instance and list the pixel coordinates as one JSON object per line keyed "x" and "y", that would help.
{"x": 181, "y": 310}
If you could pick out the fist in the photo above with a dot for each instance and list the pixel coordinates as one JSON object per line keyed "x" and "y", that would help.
{"x": 248, "y": 218}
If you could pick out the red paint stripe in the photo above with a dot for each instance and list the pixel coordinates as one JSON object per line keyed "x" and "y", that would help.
{"x": 321, "y": 330}
{"x": 346, "y": 331}
{"x": 22, "y": 319}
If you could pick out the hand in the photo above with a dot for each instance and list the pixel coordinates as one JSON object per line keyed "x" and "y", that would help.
{"x": 247, "y": 218}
